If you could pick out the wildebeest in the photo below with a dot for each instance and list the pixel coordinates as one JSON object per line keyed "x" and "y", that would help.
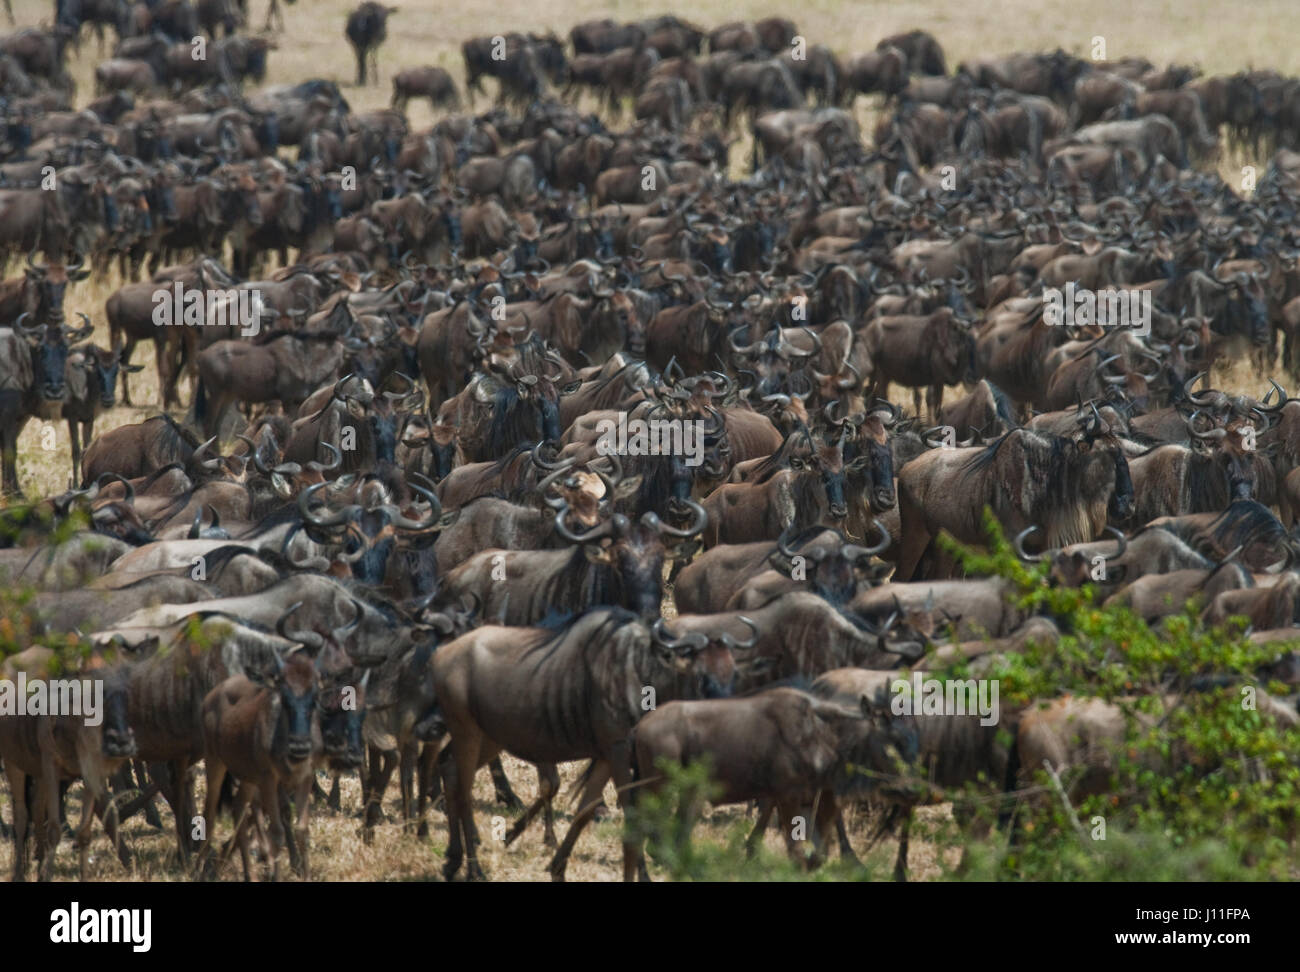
{"x": 550, "y": 697}
{"x": 366, "y": 30}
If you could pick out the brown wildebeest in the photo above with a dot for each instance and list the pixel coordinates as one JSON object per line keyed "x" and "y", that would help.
{"x": 54, "y": 748}
{"x": 552, "y": 697}
{"x": 1068, "y": 486}
{"x": 366, "y": 29}
{"x": 430, "y": 82}
{"x": 805, "y": 496}
{"x": 266, "y": 736}
{"x": 783, "y": 745}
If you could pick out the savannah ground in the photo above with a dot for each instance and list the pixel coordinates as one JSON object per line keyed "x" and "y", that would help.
{"x": 1220, "y": 37}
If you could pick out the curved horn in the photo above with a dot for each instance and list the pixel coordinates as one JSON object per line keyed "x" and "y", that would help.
{"x": 1019, "y": 544}
{"x": 1120, "y": 539}
{"x": 309, "y": 638}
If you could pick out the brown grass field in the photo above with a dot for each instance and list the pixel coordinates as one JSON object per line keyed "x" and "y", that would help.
{"x": 1219, "y": 36}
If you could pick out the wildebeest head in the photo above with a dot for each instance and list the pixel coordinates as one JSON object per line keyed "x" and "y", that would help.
{"x": 1102, "y": 465}
{"x": 832, "y": 567}
{"x": 342, "y": 707}
{"x": 1233, "y": 451}
{"x": 384, "y": 415}
{"x": 632, "y": 553}
{"x": 868, "y": 454}
{"x": 368, "y": 534}
{"x": 46, "y": 286}
{"x": 826, "y": 461}
{"x": 49, "y": 348}
{"x": 295, "y": 685}
{"x": 708, "y": 658}
{"x": 525, "y": 406}
{"x": 118, "y": 737}
{"x": 102, "y": 368}
{"x": 1071, "y": 567}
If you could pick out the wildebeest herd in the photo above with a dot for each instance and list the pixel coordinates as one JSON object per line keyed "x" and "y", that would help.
{"x": 378, "y": 523}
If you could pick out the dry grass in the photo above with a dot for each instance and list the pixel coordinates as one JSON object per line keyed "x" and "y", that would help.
{"x": 1219, "y": 36}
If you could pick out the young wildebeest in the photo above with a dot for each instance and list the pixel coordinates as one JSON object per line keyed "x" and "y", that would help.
{"x": 51, "y": 749}
{"x": 783, "y": 745}
{"x": 366, "y": 29}
{"x": 267, "y": 736}
{"x": 433, "y": 83}
{"x": 92, "y": 387}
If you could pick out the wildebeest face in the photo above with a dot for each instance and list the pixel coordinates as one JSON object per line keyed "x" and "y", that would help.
{"x": 636, "y": 558}
{"x": 50, "y": 361}
{"x": 1121, "y": 503}
{"x": 708, "y": 659}
{"x": 341, "y": 727}
{"x": 105, "y": 366}
{"x": 874, "y": 462}
{"x": 828, "y": 462}
{"x": 883, "y": 743}
{"x": 370, "y": 541}
{"x": 118, "y": 738}
{"x": 296, "y": 686}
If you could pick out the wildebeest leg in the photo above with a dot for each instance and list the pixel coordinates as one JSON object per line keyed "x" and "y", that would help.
{"x": 900, "y": 864}
{"x": 785, "y": 814}
{"x": 934, "y": 401}
{"x": 916, "y": 400}
{"x": 286, "y": 821}
{"x": 406, "y": 781}
{"x": 334, "y": 801}
{"x": 216, "y": 775}
{"x": 361, "y": 65}
{"x": 450, "y": 787}
{"x": 268, "y": 791}
{"x": 241, "y": 811}
{"x": 128, "y": 349}
{"x": 74, "y": 439}
{"x": 547, "y": 785}
{"x": 827, "y": 810}
{"x": 48, "y": 829}
{"x": 465, "y": 749}
{"x": 144, "y": 799}
{"x": 425, "y": 779}
{"x": 94, "y": 795}
{"x": 755, "y": 839}
{"x": 18, "y": 792}
{"x": 302, "y": 834}
{"x": 548, "y": 777}
{"x": 504, "y": 794}
{"x": 846, "y": 848}
{"x": 381, "y": 770}
{"x": 591, "y": 799}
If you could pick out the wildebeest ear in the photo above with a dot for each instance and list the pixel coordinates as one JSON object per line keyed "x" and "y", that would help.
{"x": 627, "y": 487}
{"x": 356, "y": 409}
